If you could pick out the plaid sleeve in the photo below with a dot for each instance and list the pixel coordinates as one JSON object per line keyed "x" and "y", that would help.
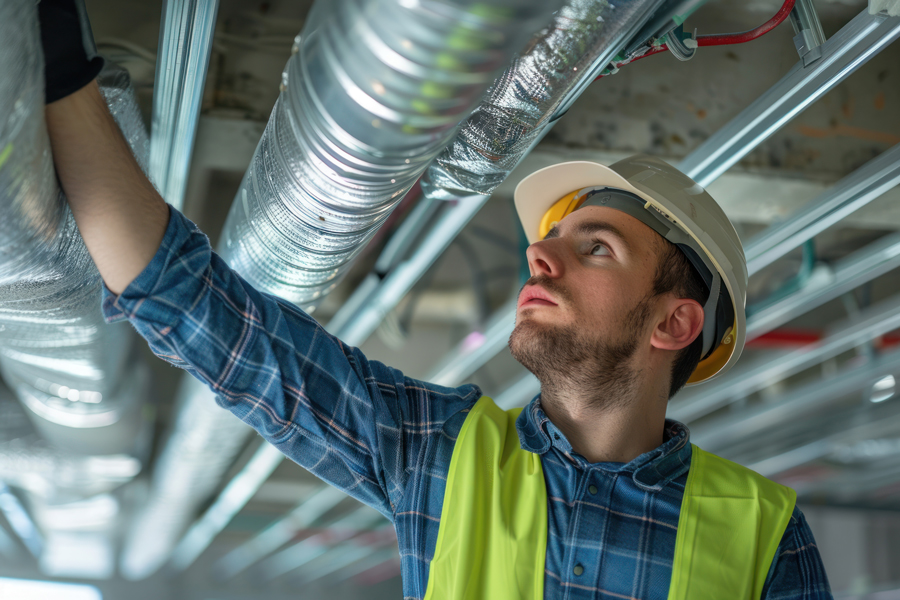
{"x": 355, "y": 423}
{"x": 797, "y": 573}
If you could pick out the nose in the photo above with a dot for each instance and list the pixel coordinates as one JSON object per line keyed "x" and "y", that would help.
{"x": 545, "y": 258}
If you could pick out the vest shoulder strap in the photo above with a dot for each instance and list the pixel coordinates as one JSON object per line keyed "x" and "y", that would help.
{"x": 732, "y": 520}
{"x": 492, "y": 538}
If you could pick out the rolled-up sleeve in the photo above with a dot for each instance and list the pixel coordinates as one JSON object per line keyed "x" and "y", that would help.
{"x": 355, "y": 423}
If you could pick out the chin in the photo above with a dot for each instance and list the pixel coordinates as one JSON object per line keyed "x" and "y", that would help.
{"x": 541, "y": 347}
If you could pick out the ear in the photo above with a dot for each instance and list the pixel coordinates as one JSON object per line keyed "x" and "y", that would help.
{"x": 682, "y": 323}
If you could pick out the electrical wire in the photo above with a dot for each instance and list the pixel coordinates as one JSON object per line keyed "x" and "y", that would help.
{"x": 747, "y": 36}
{"x": 717, "y": 39}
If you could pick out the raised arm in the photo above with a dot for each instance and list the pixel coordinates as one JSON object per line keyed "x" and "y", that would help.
{"x": 121, "y": 217}
{"x": 119, "y": 213}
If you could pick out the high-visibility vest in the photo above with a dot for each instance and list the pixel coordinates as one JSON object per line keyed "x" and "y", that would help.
{"x": 492, "y": 540}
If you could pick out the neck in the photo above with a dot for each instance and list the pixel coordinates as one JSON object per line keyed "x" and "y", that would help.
{"x": 610, "y": 423}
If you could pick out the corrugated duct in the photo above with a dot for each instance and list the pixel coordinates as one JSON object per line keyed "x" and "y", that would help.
{"x": 535, "y": 90}
{"x": 56, "y": 353}
{"x": 373, "y": 91}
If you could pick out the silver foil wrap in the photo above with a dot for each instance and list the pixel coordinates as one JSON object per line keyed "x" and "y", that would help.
{"x": 374, "y": 91}
{"x": 539, "y": 84}
{"x": 56, "y": 353}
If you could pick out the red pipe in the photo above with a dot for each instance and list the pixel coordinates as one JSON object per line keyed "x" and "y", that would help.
{"x": 781, "y": 338}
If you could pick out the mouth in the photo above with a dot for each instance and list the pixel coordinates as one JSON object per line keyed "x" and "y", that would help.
{"x": 535, "y": 296}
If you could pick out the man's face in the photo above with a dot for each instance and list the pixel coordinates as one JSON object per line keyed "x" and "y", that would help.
{"x": 586, "y": 310}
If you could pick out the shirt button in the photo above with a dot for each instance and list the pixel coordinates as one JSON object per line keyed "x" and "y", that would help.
{"x": 578, "y": 570}
{"x": 592, "y": 489}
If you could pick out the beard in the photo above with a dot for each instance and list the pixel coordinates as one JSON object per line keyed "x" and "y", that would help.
{"x": 568, "y": 357}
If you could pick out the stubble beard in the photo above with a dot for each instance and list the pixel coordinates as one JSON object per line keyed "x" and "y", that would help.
{"x": 572, "y": 361}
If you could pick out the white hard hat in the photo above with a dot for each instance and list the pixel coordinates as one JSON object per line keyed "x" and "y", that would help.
{"x": 677, "y": 208}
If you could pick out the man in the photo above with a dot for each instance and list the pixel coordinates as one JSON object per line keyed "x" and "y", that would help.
{"x": 587, "y": 493}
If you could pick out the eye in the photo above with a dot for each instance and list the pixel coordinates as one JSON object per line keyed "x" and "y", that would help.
{"x": 599, "y": 250}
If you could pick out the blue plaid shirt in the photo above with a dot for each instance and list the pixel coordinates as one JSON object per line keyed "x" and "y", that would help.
{"x": 387, "y": 439}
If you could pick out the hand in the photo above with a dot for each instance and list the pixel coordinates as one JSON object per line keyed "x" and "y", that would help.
{"x": 70, "y": 55}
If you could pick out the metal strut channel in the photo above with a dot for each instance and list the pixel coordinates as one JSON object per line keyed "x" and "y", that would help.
{"x": 185, "y": 44}
{"x": 851, "y": 47}
{"x": 848, "y": 195}
{"x": 719, "y": 433}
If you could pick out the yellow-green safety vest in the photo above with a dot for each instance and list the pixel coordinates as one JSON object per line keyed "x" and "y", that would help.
{"x": 493, "y": 533}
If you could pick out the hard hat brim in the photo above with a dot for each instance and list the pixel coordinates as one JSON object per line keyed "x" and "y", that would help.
{"x": 539, "y": 191}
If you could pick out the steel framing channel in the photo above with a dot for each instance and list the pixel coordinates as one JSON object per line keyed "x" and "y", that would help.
{"x": 801, "y": 455}
{"x": 848, "y": 195}
{"x": 878, "y": 258}
{"x": 21, "y": 522}
{"x": 525, "y": 388}
{"x": 716, "y": 434}
{"x": 391, "y": 256}
{"x": 279, "y": 533}
{"x": 295, "y": 556}
{"x": 234, "y": 497}
{"x": 346, "y": 554}
{"x": 370, "y": 306}
{"x": 465, "y": 360}
{"x": 370, "y": 562}
{"x": 851, "y": 333}
{"x": 858, "y": 41}
{"x": 185, "y": 44}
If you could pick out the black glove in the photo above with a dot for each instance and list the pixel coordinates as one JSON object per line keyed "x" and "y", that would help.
{"x": 70, "y": 55}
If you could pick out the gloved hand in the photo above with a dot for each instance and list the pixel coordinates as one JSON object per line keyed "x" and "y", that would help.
{"x": 70, "y": 55}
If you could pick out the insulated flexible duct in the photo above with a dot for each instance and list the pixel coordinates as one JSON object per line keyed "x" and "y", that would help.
{"x": 374, "y": 91}
{"x": 56, "y": 353}
{"x": 537, "y": 88}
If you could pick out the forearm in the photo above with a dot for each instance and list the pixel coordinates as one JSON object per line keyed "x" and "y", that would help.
{"x": 119, "y": 213}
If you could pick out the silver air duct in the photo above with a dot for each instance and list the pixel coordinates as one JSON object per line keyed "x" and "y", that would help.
{"x": 534, "y": 91}
{"x": 56, "y": 353}
{"x": 374, "y": 91}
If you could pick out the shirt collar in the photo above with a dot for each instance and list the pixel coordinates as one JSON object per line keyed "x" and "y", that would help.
{"x": 650, "y": 471}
